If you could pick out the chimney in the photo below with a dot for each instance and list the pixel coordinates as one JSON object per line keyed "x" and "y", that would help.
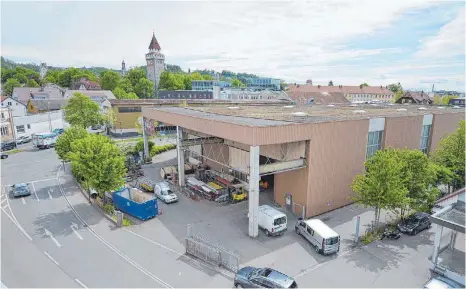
{"x": 318, "y": 86}
{"x": 381, "y": 86}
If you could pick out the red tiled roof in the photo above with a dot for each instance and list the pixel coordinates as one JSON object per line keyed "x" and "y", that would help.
{"x": 343, "y": 89}
{"x": 4, "y": 97}
{"x": 90, "y": 85}
{"x": 154, "y": 45}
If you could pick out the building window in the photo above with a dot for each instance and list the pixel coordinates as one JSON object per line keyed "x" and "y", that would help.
{"x": 3, "y": 115}
{"x": 4, "y": 130}
{"x": 425, "y": 134}
{"x": 29, "y": 126}
{"x": 20, "y": 129}
{"x": 9, "y": 103}
{"x": 374, "y": 143}
{"x": 129, "y": 109}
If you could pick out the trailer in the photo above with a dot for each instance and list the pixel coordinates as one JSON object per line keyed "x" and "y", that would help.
{"x": 136, "y": 203}
{"x": 44, "y": 140}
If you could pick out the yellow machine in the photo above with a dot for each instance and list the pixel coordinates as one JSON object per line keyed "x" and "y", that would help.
{"x": 238, "y": 195}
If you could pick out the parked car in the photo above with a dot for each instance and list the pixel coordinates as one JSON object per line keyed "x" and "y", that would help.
{"x": 324, "y": 239}
{"x": 272, "y": 221}
{"x": 441, "y": 283}
{"x": 58, "y": 131}
{"x": 251, "y": 277}
{"x": 163, "y": 192}
{"x": 23, "y": 139}
{"x": 21, "y": 190}
{"x": 8, "y": 145}
{"x": 415, "y": 223}
{"x": 4, "y": 156}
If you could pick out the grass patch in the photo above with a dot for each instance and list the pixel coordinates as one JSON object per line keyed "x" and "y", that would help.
{"x": 14, "y": 151}
{"x": 126, "y": 222}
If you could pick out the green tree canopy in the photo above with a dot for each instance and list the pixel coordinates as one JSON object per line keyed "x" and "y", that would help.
{"x": 64, "y": 141}
{"x": 363, "y": 84}
{"x": 32, "y": 83}
{"x": 9, "y": 85}
{"x": 330, "y": 83}
{"x": 131, "y": 95}
{"x": 144, "y": 88}
{"x": 126, "y": 85}
{"x": 170, "y": 81}
{"x": 82, "y": 111}
{"x": 52, "y": 76}
{"x": 99, "y": 162}
{"x": 237, "y": 83}
{"x": 134, "y": 75}
{"x": 451, "y": 154}
{"x": 207, "y": 77}
{"x": 120, "y": 93}
{"x": 196, "y": 76}
{"x": 382, "y": 186}
{"x": 110, "y": 80}
{"x": 395, "y": 87}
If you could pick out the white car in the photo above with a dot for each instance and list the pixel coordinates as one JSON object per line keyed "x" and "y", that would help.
{"x": 163, "y": 192}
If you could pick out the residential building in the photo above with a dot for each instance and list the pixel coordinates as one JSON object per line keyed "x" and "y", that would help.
{"x": 86, "y": 84}
{"x": 38, "y": 123}
{"x": 264, "y": 83}
{"x": 155, "y": 63}
{"x": 308, "y": 155}
{"x": 204, "y": 85}
{"x": 248, "y": 94}
{"x": 35, "y": 106}
{"x": 415, "y": 97}
{"x": 6, "y": 124}
{"x": 449, "y": 93}
{"x": 185, "y": 94}
{"x": 17, "y": 108}
{"x": 23, "y": 94}
{"x": 355, "y": 94}
{"x": 449, "y": 247}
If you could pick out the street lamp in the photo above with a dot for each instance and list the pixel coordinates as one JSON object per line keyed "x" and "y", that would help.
{"x": 50, "y": 120}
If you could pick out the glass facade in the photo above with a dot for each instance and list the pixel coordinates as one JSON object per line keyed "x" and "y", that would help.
{"x": 202, "y": 85}
{"x": 374, "y": 143}
{"x": 425, "y": 135}
{"x": 263, "y": 83}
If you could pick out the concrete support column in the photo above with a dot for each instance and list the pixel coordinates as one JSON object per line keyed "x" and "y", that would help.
{"x": 253, "y": 191}
{"x": 438, "y": 236}
{"x": 453, "y": 239}
{"x": 146, "y": 140}
{"x": 180, "y": 155}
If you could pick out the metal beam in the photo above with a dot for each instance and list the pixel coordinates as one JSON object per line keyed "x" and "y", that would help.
{"x": 201, "y": 141}
{"x": 279, "y": 167}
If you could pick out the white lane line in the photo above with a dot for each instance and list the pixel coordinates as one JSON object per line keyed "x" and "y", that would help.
{"x": 23, "y": 200}
{"x": 4, "y": 200}
{"x": 53, "y": 260}
{"x": 50, "y": 193}
{"x": 17, "y": 225}
{"x": 44, "y": 180}
{"x": 5, "y": 206}
{"x": 153, "y": 242}
{"x": 47, "y": 232}
{"x": 35, "y": 193}
{"x": 80, "y": 283}
{"x": 26, "y": 163}
{"x": 15, "y": 221}
{"x": 74, "y": 227}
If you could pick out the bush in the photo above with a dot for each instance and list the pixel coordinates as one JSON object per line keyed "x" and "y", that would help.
{"x": 140, "y": 146}
{"x": 160, "y": 149}
{"x": 370, "y": 236}
{"x": 126, "y": 222}
{"x": 109, "y": 209}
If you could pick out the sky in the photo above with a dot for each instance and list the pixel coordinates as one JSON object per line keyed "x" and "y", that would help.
{"x": 415, "y": 42}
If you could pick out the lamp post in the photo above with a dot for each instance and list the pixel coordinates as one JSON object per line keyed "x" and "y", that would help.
{"x": 50, "y": 120}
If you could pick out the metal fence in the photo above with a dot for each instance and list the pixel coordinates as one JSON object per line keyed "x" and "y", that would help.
{"x": 210, "y": 251}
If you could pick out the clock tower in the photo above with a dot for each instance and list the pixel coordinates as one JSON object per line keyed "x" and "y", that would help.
{"x": 155, "y": 64}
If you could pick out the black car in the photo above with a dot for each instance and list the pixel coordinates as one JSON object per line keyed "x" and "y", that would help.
{"x": 415, "y": 223}
{"x": 4, "y": 156}
{"x": 8, "y": 145}
{"x": 251, "y": 277}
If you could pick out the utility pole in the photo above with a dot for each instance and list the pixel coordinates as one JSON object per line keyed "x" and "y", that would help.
{"x": 50, "y": 120}
{"x": 12, "y": 123}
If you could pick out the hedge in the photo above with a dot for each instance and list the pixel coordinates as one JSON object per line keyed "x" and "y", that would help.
{"x": 155, "y": 150}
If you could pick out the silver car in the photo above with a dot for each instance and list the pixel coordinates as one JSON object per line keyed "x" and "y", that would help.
{"x": 163, "y": 192}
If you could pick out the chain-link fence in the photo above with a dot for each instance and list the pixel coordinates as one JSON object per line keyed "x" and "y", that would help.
{"x": 209, "y": 251}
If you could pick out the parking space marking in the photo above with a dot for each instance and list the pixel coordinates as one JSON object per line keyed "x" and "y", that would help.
{"x": 50, "y": 257}
{"x": 50, "y": 193}
{"x": 23, "y": 200}
{"x": 317, "y": 266}
{"x": 4, "y": 200}
{"x": 153, "y": 242}
{"x": 17, "y": 225}
{"x": 35, "y": 193}
{"x": 44, "y": 180}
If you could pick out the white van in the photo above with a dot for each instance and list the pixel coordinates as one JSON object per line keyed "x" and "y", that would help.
{"x": 325, "y": 240}
{"x": 272, "y": 221}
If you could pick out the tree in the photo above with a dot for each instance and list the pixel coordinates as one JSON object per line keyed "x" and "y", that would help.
{"x": 330, "y": 83}
{"x": 169, "y": 81}
{"x": 363, "y": 84}
{"x": 21, "y": 78}
{"x": 52, "y": 76}
{"x": 110, "y": 117}
{"x": 186, "y": 79}
{"x": 144, "y": 88}
{"x": 63, "y": 146}
{"x": 119, "y": 93}
{"x": 451, "y": 154}
{"x": 439, "y": 100}
{"x": 399, "y": 94}
{"x": 207, "y": 77}
{"x": 134, "y": 75}
{"x": 236, "y": 83}
{"x": 65, "y": 78}
{"x": 32, "y": 83}
{"x": 110, "y": 80}
{"x": 82, "y": 111}
{"x": 131, "y": 95}
{"x": 126, "y": 85}
{"x": 99, "y": 162}
{"x": 10, "y": 85}
{"x": 395, "y": 87}
{"x": 7, "y": 74}
{"x": 196, "y": 76}
{"x": 382, "y": 186}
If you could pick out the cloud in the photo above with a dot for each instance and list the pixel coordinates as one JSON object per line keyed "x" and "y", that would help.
{"x": 292, "y": 40}
{"x": 448, "y": 42}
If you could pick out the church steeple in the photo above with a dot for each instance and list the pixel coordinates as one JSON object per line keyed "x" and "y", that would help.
{"x": 154, "y": 45}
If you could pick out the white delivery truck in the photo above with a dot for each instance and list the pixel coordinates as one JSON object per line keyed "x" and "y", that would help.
{"x": 44, "y": 140}
{"x": 163, "y": 192}
{"x": 324, "y": 239}
{"x": 272, "y": 221}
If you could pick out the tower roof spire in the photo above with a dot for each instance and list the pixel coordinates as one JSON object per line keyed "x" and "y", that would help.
{"x": 153, "y": 43}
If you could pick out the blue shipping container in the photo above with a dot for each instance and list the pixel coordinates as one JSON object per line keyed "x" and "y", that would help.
{"x": 142, "y": 211}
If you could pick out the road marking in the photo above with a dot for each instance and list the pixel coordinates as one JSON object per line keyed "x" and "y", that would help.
{"x": 35, "y": 193}
{"x": 74, "y": 227}
{"x": 4, "y": 200}
{"x": 53, "y": 260}
{"x": 44, "y": 180}
{"x": 26, "y": 163}
{"x": 50, "y": 193}
{"x": 13, "y": 218}
{"x": 153, "y": 242}
{"x": 23, "y": 200}
{"x": 5, "y": 206}
{"x": 80, "y": 283}
{"x": 47, "y": 232}
{"x": 106, "y": 243}
{"x": 317, "y": 266}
